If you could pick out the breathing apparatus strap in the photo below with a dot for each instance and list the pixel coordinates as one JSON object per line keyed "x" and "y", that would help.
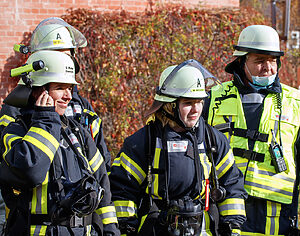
{"x": 197, "y": 162}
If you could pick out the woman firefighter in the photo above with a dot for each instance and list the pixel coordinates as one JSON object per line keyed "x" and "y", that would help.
{"x": 177, "y": 175}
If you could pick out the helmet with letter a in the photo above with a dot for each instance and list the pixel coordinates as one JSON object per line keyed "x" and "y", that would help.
{"x": 55, "y": 34}
{"x": 189, "y": 79}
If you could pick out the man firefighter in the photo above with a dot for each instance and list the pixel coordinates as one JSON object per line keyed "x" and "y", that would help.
{"x": 166, "y": 180}
{"x": 261, "y": 117}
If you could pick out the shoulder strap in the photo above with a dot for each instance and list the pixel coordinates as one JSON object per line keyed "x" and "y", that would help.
{"x": 218, "y": 192}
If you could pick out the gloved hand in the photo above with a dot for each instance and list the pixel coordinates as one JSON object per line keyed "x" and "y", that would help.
{"x": 229, "y": 229}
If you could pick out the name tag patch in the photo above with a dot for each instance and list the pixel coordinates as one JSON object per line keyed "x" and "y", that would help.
{"x": 177, "y": 146}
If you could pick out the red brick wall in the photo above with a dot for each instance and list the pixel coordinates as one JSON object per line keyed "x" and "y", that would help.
{"x": 18, "y": 18}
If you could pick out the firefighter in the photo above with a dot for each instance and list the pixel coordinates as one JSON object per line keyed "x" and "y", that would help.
{"x": 260, "y": 117}
{"x": 55, "y": 34}
{"x": 170, "y": 177}
{"x": 53, "y": 177}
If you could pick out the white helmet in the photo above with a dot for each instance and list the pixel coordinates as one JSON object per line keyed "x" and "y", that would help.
{"x": 54, "y": 33}
{"x": 261, "y": 39}
{"x": 187, "y": 80}
{"x": 57, "y": 67}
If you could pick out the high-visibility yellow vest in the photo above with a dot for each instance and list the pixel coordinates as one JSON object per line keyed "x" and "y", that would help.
{"x": 261, "y": 179}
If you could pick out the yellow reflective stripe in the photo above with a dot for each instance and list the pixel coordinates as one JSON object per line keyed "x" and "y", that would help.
{"x": 108, "y": 214}
{"x": 96, "y": 161}
{"x": 206, "y": 164}
{"x": 40, "y": 197}
{"x": 96, "y": 126}
{"x": 133, "y": 168}
{"x": 272, "y": 218}
{"x": 206, "y": 225}
{"x": 255, "y": 234}
{"x": 84, "y": 158}
{"x": 42, "y": 140}
{"x": 38, "y": 230}
{"x": 142, "y": 222}
{"x": 156, "y": 176}
{"x": 125, "y": 208}
{"x": 232, "y": 206}
{"x": 225, "y": 164}
{"x": 7, "y": 140}
{"x": 5, "y": 120}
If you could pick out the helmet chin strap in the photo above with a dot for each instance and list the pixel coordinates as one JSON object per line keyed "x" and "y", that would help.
{"x": 177, "y": 118}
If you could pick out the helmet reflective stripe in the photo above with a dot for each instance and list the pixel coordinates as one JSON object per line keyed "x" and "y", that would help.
{"x": 54, "y": 33}
{"x": 185, "y": 80}
{"x": 59, "y": 68}
{"x": 260, "y": 39}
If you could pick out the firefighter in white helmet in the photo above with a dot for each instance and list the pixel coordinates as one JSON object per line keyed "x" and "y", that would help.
{"x": 164, "y": 181}
{"x": 261, "y": 118}
{"x": 52, "y": 161}
{"x": 55, "y": 34}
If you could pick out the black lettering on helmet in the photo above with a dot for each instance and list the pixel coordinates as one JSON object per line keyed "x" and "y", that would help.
{"x": 198, "y": 83}
{"x": 58, "y": 36}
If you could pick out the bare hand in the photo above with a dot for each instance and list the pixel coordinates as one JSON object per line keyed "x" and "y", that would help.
{"x": 44, "y": 100}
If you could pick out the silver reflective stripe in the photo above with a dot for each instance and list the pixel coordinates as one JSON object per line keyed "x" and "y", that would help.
{"x": 38, "y": 208}
{"x": 37, "y": 230}
{"x": 107, "y": 215}
{"x": 272, "y": 219}
{"x": 252, "y": 98}
{"x": 234, "y": 206}
{"x": 131, "y": 210}
{"x": 265, "y": 187}
{"x": 244, "y": 164}
{"x": 43, "y": 140}
{"x": 133, "y": 168}
{"x": 274, "y": 175}
{"x": 225, "y": 164}
{"x": 98, "y": 159}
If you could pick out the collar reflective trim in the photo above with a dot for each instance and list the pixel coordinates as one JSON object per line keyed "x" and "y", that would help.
{"x": 252, "y": 98}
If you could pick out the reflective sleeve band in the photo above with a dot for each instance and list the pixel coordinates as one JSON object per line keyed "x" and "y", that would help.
{"x": 7, "y": 140}
{"x": 107, "y": 214}
{"x": 96, "y": 126}
{"x": 225, "y": 164}
{"x": 42, "y": 140}
{"x": 96, "y": 161}
{"x": 232, "y": 206}
{"x": 125, "y": 208}
{"x": 132, "y": 167}
{"x": 5, "y": 120}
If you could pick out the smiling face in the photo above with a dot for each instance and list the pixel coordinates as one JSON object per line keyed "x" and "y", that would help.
{"x": 260, "y": 65}
{"x": 190, "y": 110}
{"x": 62, "y": 95}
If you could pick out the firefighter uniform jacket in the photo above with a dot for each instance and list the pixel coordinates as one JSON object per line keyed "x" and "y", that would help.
{"x": 33, "y": 154}
{"x": 252, "y": 121}
{"x": 172, "y": 157}
{"x": 79, "y": 109}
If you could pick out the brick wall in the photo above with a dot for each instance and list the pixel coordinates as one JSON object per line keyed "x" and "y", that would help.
{"x": 18, "y": 18}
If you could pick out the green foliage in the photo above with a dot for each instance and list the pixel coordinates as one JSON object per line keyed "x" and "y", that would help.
{"x": 126, "y": 53}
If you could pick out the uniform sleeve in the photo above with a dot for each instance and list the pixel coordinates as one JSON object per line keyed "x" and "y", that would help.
{"x": 232, "y": 208}
{"x": 128, "y": 173}
{"x": 30, "y": 153}
{"x": 106, "y": 209}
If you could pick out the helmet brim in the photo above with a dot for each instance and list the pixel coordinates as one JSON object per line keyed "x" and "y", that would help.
{"x": 156, "y": 105}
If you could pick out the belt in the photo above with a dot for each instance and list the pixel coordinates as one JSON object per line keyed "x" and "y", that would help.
{"x": 73, "y": 222}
